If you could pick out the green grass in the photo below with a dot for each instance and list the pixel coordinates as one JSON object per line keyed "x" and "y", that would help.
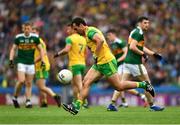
{"x": 93, "y": 115}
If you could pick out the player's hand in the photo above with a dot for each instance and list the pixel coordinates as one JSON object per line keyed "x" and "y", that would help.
{"x": 157, "y": 56}
{"x": 160, "y": 58}
{"x": 145, "y": 57}
{"x": 56, "y": 55}
{"x": 11, "y": 64}
{"x": 43, "y": 65}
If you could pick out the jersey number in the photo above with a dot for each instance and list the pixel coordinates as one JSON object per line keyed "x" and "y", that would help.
{"x": 81, "y": 47}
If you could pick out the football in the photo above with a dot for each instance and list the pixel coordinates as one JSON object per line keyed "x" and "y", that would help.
{"x": 65, "y": 76}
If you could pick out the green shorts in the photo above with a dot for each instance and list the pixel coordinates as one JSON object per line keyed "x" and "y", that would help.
{"x": 106, "y": 69}
{"x": 42, "y": 74}
{"x": 78, "y": 69}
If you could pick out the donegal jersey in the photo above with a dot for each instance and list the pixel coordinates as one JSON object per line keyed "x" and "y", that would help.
{"x": 26, "y": 47}
{"x": 117, "y": 48}
{"x": 37, "y": 55}
{"x": 76, "y": 54}
{"x": 132, "y": 57}
{"x": 104, "y": 55}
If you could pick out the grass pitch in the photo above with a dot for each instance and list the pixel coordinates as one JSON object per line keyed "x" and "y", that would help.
{"x": 93, "y": 115}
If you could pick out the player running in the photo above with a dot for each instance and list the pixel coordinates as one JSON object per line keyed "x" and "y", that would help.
{"x": 75, "y": 48}
{"x": 105, "y": 64}
{"x": 25, "y": 43}
{"x": 133, "y": 67}
{"x": 42, "y": 73}
{"x": 119, "y": 49}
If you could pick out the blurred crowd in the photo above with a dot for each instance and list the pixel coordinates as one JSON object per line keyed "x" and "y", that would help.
{"x": 53, "y": 15}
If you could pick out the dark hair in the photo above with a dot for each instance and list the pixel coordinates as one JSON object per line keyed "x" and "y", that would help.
{"x": 28, "y": 24}
{"x": 111, "y": 31}
{"x": 140, "y": 19}
{"x": 78, "y": 21}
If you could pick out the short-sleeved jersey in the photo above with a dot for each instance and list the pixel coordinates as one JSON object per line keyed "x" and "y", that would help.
{"x": 132, "y": 57}
{"x": 76, "y": 54}
{"x": 105, "y": 55}
{"x": 117, "y": 48}
{"x": 26, "y": 47}
{"x": 37, "y": 55}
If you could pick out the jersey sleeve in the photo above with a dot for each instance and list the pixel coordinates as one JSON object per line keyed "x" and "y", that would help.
{"x": 91, "y": 34}
{"x": 16, "y": 41}
{"x": 136, "y": 36}
{"x": 68, "y": 41}
{"x": 37, "y": 40}
{"x": 123, "y": 44}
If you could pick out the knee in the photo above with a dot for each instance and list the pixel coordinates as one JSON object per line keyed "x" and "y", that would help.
{"x": 28, "y": 84}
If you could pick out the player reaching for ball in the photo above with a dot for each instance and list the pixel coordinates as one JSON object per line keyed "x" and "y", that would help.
{"x": 76, "y": 49}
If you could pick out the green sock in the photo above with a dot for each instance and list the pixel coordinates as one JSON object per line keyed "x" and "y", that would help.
{"x": 78, "y": 104}
{"x": 141, "y": 85}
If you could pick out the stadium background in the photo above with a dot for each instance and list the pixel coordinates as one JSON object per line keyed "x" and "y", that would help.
{"x": 53, "y": 15}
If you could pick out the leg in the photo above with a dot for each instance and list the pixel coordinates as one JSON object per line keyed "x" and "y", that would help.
{"x": 45, "y": 90}
{"x": 77, "y": 85}
{"x": 29, "y": 79}
{"x": 127, "y": 76}
{"x": 92, "y": 75}
{"x": 21, "y": 79}
{"x": 43, "y": 101}
{"x": 145, "y": 77}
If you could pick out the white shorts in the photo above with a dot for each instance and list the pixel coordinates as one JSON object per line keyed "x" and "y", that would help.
{"x": 120, "y": 69}
{"x": 28, "y": 69}
{"x": 134, "y": 69}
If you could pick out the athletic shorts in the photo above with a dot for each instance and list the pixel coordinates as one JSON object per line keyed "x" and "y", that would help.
{"x": 42, "y": 74}
{"x": 120, "y": 69}
{"x": 78, "y": 69}
{"x": 106, "y": 69}
{"x": 134, "y": 69}
{"x": 26, "y": 68}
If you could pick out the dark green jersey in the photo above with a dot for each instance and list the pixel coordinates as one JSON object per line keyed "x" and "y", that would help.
{"x": 117, "y": 48}
{"x": 26, "y": 47}
{"x": 132, "y": 57}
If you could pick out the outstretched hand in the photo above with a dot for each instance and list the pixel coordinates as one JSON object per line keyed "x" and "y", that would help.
{"x": 160, "y": 58}
{"x": 56, "y": 55}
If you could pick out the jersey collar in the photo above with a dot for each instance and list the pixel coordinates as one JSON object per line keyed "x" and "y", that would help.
{"x": 141, "y": 31}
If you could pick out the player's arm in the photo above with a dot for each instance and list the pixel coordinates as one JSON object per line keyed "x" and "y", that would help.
{"x": 134, "y": 48}
{"x": 99, "y": 42}
{"x": 12, "y": 52}
{"x": 39, "y": 57}
{"x": 66, "y": 49}
{"x": 124, "y": 54}
{"x": 40, "y": 48}
{"x": 11, "y": 55}
{"x": 148, "y": 51}
{"x": 152, "y": 53}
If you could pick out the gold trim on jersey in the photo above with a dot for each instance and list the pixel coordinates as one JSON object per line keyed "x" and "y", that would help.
{"x": 141, "y": 43}
{"x": 25, "y": 46}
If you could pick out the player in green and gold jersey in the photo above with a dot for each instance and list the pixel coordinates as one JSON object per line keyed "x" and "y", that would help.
{"x": 75, "y": 48}
{"x": 42, "y": 73}
{"x": 133, "y": 66}
{"x": 25, "y": 43}
{"x": 119, "y": 49}
{"x": 105, "y": 64}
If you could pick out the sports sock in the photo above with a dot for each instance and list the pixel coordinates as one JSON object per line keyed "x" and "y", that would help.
{"x": 78, "y": 104}
{"x": 141, "y": 85}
